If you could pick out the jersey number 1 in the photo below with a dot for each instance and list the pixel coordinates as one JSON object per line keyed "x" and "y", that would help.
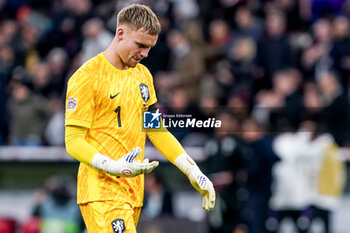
{"x": 118, "y": 116}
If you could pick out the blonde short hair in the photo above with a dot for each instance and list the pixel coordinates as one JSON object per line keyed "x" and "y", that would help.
{"x": 139, "y": 17}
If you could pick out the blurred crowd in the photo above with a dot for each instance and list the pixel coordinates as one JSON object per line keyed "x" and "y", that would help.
{"x": 276, "y": 72}
{"x": 279, "y": 61}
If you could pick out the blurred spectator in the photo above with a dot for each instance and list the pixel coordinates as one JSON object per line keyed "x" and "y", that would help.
{"x": 324, "y": 173}
{"x": 158, "y": 199}
{"x": 96, "y": 39}
{"x": 195, "y": 36}
{"x": 159, "y": 56}
{"x": 6, "y": 58}
{"x": 226, "y": 169}
{"x": 280, "y": 107}
{"x": 291, "y": 194}
{"x": 247, "y": 24}
{"x": 9, "y": 29}
{"x": 292, "y": 10}
{"x": 209, "y": 105}
{"x": 266, "y": 103}
{"x": 54, "y": 132}
{"x": 238, "y": 103}
{"x": 3, "y": 110}
{"x": 210, "y": 84}
{"x": 224, "y": 80}
{"x": 220, "y": 35}
{"x": 179, "y": 104}
{"x": 259, "y": 158}
{"x": 340, "y": 51}
{"x": 57, "y": 60}
{"x": 286, "y": 85}
{"x": 316, "y": 58}
{"x": 57, "y": 210}
{"x": 42, "y": 80}
{"x": 186, "y": 63}
{"x": 335, "y": 115}
{"x": 28, "y": 112}
{"x": 274, "y": 50}
{"x": 185, "y": 10}
{"x": 242, "y": 56}
{"x": 312, "y": 102}
{"x": 25, "y": 45}
{"x": 63, "y": 32}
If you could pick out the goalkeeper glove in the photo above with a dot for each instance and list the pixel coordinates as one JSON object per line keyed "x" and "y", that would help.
{"x": 198, "y": 180}
{"x": 125, "y": 166}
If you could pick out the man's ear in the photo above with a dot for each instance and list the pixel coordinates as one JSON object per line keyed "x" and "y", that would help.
{"x": 120, "y": 33}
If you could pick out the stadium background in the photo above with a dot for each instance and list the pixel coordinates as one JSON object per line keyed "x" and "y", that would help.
{"x": 264, "y": 67}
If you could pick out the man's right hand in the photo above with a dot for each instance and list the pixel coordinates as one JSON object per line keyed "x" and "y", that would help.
{"x": 125, "y": 166}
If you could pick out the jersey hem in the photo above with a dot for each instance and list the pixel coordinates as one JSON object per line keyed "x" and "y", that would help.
{"x": 117, "y": 203}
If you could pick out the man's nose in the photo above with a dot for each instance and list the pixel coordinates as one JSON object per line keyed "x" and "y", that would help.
{"x": 144, "y": 52}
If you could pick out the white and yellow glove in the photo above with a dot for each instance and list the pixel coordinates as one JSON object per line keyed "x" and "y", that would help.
{"x": 125, "y": 166}
{"x": 198, "y": 180}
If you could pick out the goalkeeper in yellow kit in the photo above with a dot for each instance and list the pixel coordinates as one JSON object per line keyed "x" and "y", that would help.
{"x": 106, "y": 98}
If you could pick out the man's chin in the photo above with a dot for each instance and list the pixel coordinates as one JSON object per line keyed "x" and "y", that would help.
{"x": 132, "y": 64}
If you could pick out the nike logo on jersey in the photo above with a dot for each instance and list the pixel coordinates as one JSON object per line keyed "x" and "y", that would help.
{"x": 113, "y": 96}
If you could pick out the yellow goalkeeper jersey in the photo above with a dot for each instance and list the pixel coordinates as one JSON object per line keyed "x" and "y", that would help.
{"x": 110, "y": 103}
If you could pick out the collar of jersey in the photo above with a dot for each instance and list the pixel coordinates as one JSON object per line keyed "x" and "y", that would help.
{"x": 113, "y": 67}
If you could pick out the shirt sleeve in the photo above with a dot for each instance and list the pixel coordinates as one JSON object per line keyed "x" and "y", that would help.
{"x": 77, "y": 146}
{"x": 166, "y": 144}
{"x": 152, "y": 92}
{"x": 80, "y": 100}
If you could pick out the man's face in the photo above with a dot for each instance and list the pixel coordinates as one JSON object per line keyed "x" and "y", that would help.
{"x": 134, "y": 45}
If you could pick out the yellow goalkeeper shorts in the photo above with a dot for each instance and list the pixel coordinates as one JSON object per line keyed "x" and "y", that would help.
{"x": 107, "y": 217}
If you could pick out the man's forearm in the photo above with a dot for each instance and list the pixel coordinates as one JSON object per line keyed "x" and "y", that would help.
{"x": 167, "y": 144}
{"x": 77, "y": 146}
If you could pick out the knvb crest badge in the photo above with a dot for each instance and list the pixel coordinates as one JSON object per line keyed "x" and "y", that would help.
{"x": 144, "y": 92}
{"x": 151, "y": 120}
{"x": 118, "y": 225}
